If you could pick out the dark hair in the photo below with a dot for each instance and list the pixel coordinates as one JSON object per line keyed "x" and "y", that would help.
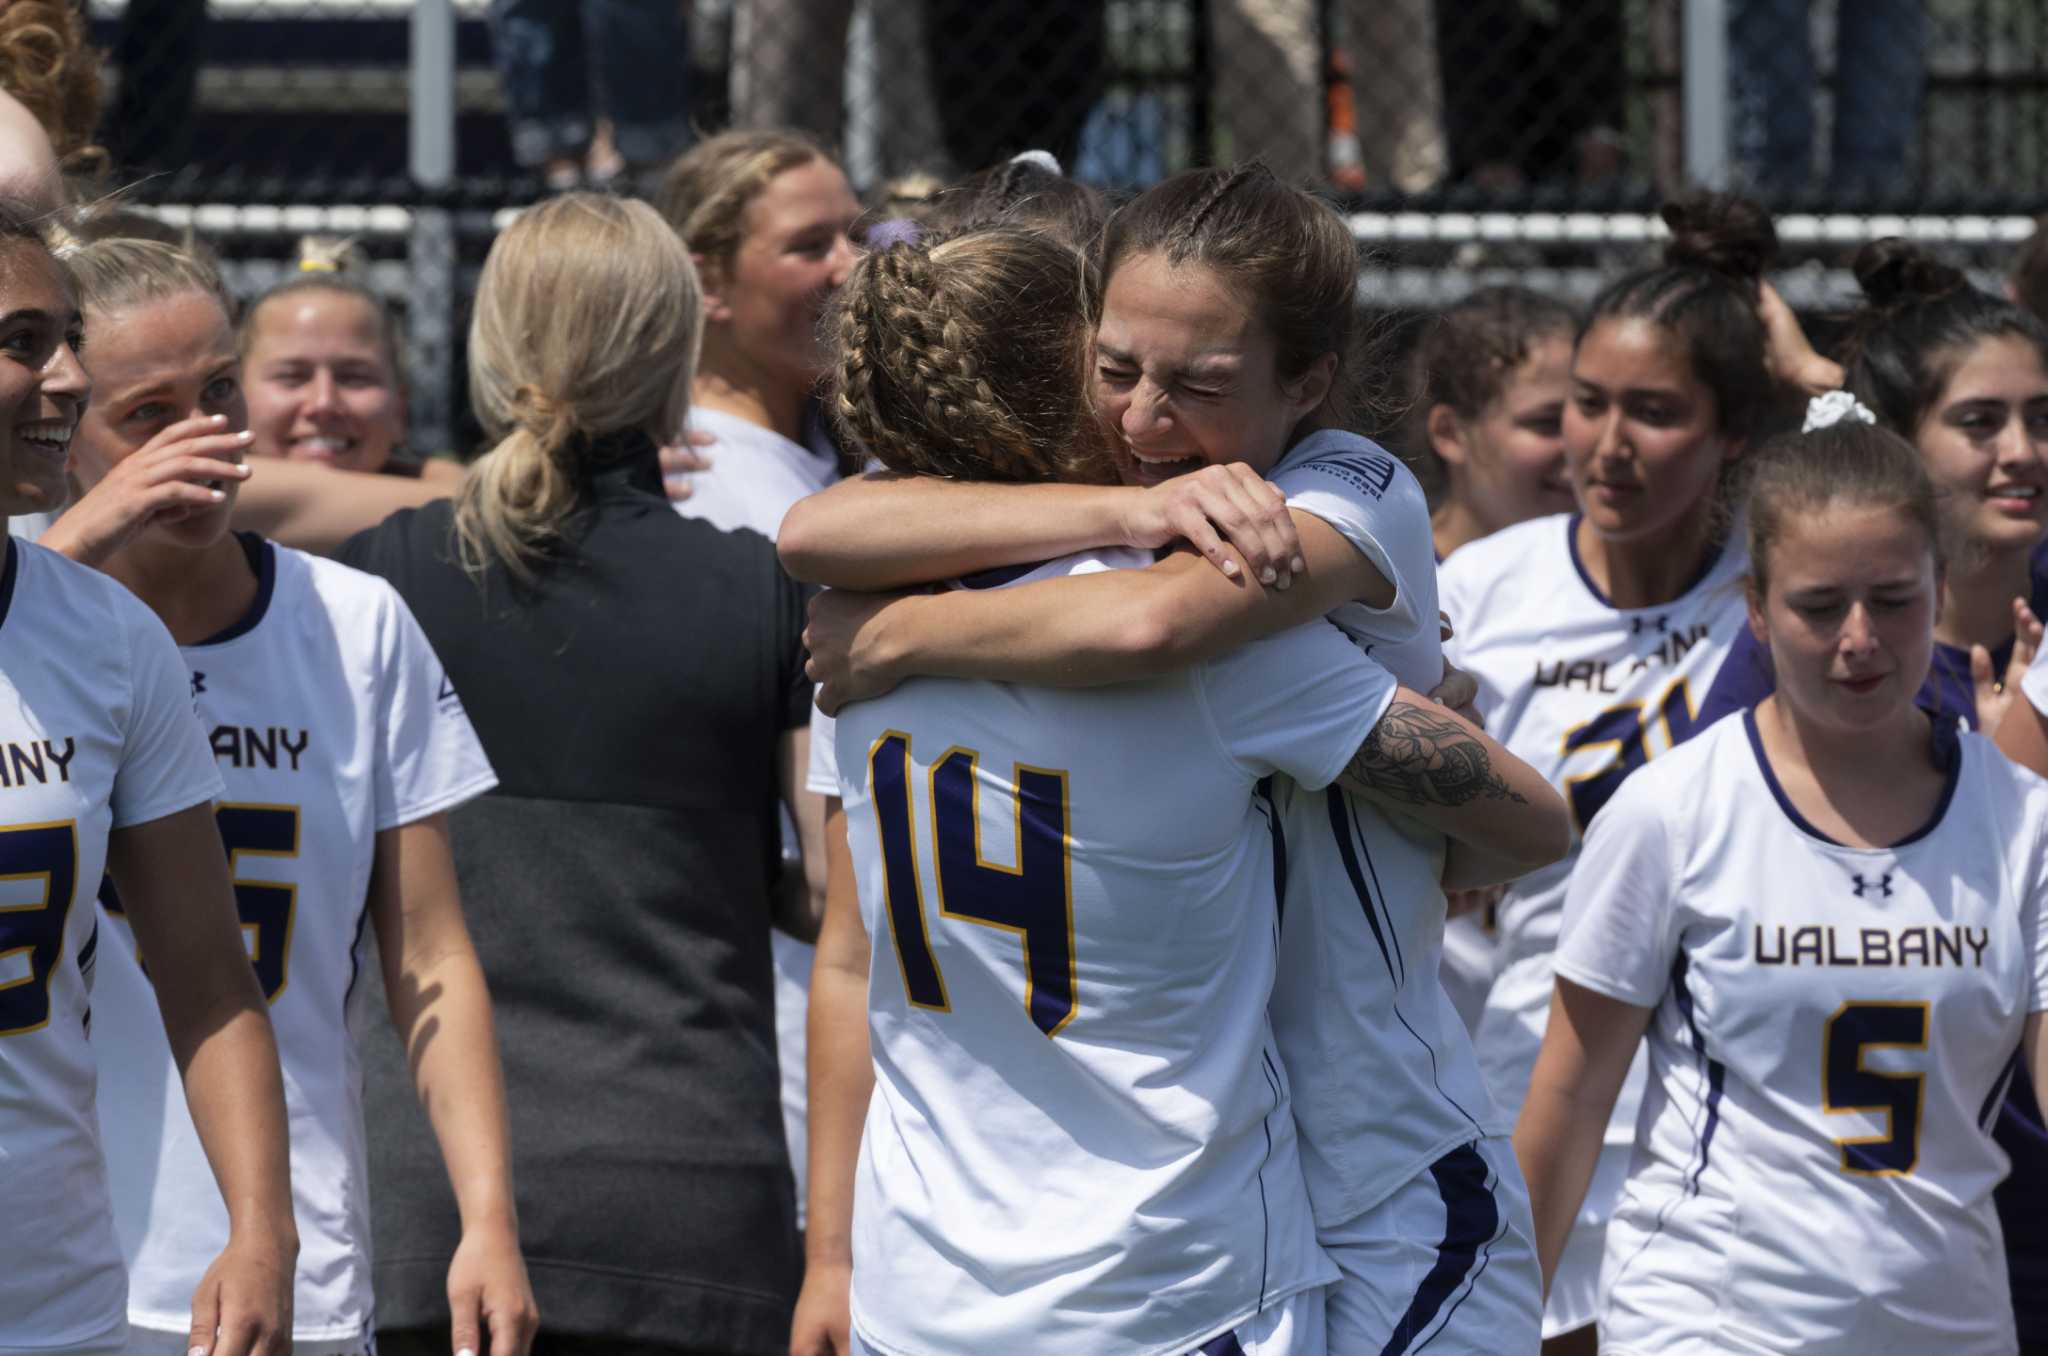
{"x": 1021, "y": 193}
{"x": 2030, "y": 271}
{"x": 1921, "y": 319}
{"x": 1796, "y": 474}
{"x": 1466, "y": 357}
{"x": 1705, "y": 294}
{"x": 1287, "y": 250}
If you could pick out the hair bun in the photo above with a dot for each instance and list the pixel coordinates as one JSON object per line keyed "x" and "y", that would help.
{"x": 1723, "y": 232}
{"x": 1892, "y": 272}
{"x": 331, "y": 254}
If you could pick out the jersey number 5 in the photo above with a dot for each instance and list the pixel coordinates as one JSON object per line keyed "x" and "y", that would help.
{"x": 266, "y": 908}
{"x": 44, "y": 857}
{"x": 1847, "y": 1086}
{"x": 1033, "y": 899}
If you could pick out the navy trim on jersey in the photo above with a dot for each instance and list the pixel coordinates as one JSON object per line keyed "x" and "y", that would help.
{"x": 1273, "y": 1081}
{"x": 1948, "y": 755}
{"x": 1343, "y": 826}
{"x": 1340, "y": 829}
{"x": 1379, "y": 891}
{"x": 1571, "y": 546}
{"x": 1715, "y": 1070}
{"x": 1988, "y": 1113}
{"x": 1471, "y": 1223}
{"x": 7, "y": 580}
{"x": 1226, "y": 1345}
{"x": 263, "y": 560}
{"x": 1264, "y": 792}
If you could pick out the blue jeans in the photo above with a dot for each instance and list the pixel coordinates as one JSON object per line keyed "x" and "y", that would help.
{"x": 1880, "y": 76}
{"x": 566, "y": 62}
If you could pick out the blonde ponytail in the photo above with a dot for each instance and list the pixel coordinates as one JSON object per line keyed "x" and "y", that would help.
{"x": 587, "y": 322}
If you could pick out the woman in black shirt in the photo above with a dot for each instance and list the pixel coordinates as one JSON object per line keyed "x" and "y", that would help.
{"x": 637, "y": 682}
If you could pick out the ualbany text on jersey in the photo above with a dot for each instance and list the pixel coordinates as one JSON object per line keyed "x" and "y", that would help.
{"x": 35, "y": 763}
{"x": 1602, "y": 675}
{"x": 1820, "y": 944}
{"x": 248, "y": 746}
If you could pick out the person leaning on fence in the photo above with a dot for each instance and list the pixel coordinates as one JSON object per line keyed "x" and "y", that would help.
{"x": 637, "y": 682}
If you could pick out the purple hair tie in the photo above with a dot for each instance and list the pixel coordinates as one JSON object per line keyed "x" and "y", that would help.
{"x": 894, "y": 231}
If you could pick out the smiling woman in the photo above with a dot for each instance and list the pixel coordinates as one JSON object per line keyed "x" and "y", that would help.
{"x": 110, "y": 774}
{"x": 321, "y": 362}
{"x": 353, "y": 830}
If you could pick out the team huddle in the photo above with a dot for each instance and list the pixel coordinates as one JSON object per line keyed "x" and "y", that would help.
{"x": 1586, "y": 895}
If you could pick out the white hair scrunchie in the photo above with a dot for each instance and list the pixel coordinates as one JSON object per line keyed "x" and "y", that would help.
{"x": 1825, "y": 411}
{"x": 1045, "y": 160}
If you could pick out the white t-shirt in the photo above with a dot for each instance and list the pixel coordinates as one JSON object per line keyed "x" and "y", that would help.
{"x": 2034, "y": 683}
{"x": 756, "y": 475}
{"x": 1384, "y": 1075}
{"x": 1079, "y": 1138}
{"x": 96, "y": 734}
{"x": 331, "y": 720}
{"x": 1832, "y": 1036}
{"x": 30, "y": 526}
{"x": 1585, "y": 693}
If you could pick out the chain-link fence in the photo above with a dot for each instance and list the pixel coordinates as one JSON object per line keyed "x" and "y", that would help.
{"x": 1473, "y": 141}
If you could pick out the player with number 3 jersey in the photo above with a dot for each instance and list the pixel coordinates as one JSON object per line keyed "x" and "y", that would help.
{"x": 342, "y": 747}
{"x": 1828, "y": 913}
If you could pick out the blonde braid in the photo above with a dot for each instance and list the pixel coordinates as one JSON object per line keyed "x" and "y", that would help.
{"x": 965, "y": 359}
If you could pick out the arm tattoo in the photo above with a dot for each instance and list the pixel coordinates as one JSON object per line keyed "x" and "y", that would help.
{"x": 1421, "y": 757}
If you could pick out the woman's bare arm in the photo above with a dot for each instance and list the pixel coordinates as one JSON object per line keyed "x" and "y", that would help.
{"x": 887, "y": 531}
{"x": 1080, "y": 631}
{"x": 441, "y": 1010}
{"x": 1579, "y": 1073}
{"x": 841, "y": 1080}
{"x": 173, "y": 879}
{"x": 317, "y": 508}
{"x": 1427, "y": 762}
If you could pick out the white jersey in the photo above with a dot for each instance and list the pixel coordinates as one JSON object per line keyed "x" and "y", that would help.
{"x": 1832, "y": 1036}
{"x": 1079, "y": 1138}
{"x": 2035, "y": 682}
{"x": 1586, "y": 693}
{"x": 756, "y": 475}
{"x": 331, "y": 720}
{"x": 1384, "y": 1076}
{"x": 30, "y": 526}
{"x": 96, "y": 733}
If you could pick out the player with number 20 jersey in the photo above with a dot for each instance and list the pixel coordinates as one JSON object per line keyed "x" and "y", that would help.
{"x": 331, "y": 720}
{"x": 1080, "y": 1138}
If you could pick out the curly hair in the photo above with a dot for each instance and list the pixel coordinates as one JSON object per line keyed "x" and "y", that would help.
{"x": 968, "y": 359}
{"x": 46, "y": 64}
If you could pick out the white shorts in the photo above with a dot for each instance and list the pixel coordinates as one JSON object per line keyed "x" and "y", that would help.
{"x": 158, "y": 1342}
{"x": 1293, "y": 1327}
{"x": 1446, "y": 1263}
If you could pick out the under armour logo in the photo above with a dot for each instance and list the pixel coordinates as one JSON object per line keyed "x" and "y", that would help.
{"x": 198, "y": 682}
{"x": 1882, "y": 886}
{"x": 1636, "y": 625}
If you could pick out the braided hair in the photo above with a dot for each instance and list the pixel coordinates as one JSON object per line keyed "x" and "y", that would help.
{"x": 968, "y": 359}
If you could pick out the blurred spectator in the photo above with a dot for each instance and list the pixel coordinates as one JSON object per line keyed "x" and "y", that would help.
{"x": 637, "y": 682}
{"x": 789, "y": 65}
{"x": 158, "y": 48}
{"x": 1008, "y": 75}
{"x": 1532, "y": 96}
{"x": 2028, "y": 284}
{"x": 1269, "y": 87}
{"x": 592, "y": 87}
{"x": 1880, "y": 75}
